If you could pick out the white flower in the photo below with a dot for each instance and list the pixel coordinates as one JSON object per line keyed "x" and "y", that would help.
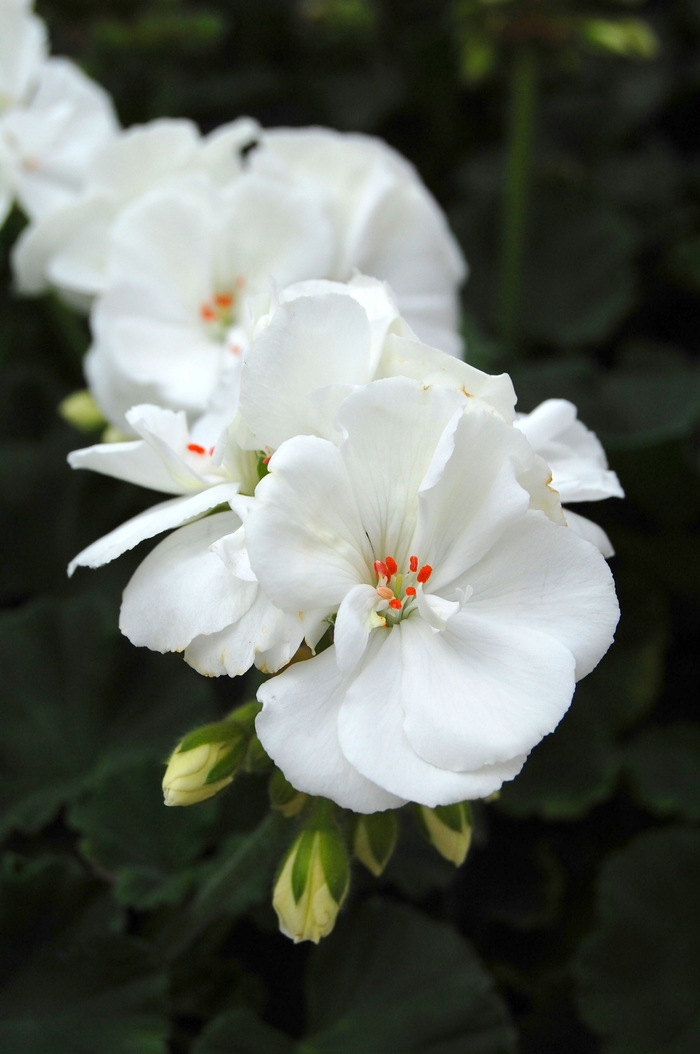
{"x": 576, "y": 457}
{"x": 52, "y": 118}
{"x": 463, "y": 614}
{"x": 68, "y": 248}
{"x": 189, "y": 594}
{"x": 180, "y": 261}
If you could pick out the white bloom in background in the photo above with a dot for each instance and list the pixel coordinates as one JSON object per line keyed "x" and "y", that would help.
{"x": 52, "y": 118}
{"x": 387, "y": 223}
{"x": 180, "y": 262}
{"x": 463, "y": 614}
{"x": 68, "y": 249}
{"x": 576, "y": 457}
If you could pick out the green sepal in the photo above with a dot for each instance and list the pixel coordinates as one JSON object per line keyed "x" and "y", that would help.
{"x": 382, "y": 830}
{"x": 256, "y": 758}
{"x": 219, "y": 732}
{"x": 280, "y": 790}
{"x": 302, "y": 849}
{"x": 334, "y": 861}
{"x": 229, "y": 763}
{"x": 456, "y": 817}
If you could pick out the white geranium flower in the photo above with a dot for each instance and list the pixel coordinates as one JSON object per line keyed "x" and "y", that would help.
{"x": 186, "y": 596}
{"x": 576, "y": 457}
{"x": 463, "y": 614}
{"x": 68, "y": 248}
{"x": 52, "y": 118}
{"x": 388, "y": 225}
{"x": 180, "y": 261}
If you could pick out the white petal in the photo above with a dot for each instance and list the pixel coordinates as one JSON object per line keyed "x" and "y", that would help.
{"x": 372, "y": 737}
{"x": 298, "y": 728}
{"x": 182, "y": 589}
{"x": 310, "y": 343}
{"x": 468, "y": 500}
{"x": 545, "y": 577}
{"x": 159, "y": 518}
{"x": 393, "y": 427}
{"x": 305, "y": 538}
{"x": 135, "y": 462}
{"x": 353, "y": 625}
{"x": 591, "y": 532}
{"x": 263, "y": 635}
{"x": 480, "y": 693}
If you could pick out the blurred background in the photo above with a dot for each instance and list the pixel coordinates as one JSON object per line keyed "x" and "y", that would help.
{"x": 563, "y": 141}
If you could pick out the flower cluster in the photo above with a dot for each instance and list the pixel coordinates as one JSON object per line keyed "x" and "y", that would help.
{"x": 275, "y": 348}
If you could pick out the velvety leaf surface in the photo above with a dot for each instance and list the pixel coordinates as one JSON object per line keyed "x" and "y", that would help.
{"x": 80, "y": 702}
{"x": 389, "y": 978}
{"x": 638, "y": 974}
{"x": 68, "y": 984}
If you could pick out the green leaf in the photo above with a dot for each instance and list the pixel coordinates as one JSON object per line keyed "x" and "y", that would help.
{"x": 68, "y": 984}
{"x": 80, "y": 703}
{"x": 664, "y": 768}
{"x": 129, "y": 833}
{"x": 638, "y": 975}
{"x": 240, "y": 1032}
{"x": 389, "y": 978}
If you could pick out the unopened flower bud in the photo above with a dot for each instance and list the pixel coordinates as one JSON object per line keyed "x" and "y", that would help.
{"x": 80, "y": 410}
{"x": 208, "y": 758}
{"x": 312, "y": 884}
{"x": 449, "y": 828}
{"x": 375, "y": 840}
{"x": 284, "y": 797}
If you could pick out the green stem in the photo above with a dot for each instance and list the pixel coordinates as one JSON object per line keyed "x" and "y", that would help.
{"x": 521, "y": 128}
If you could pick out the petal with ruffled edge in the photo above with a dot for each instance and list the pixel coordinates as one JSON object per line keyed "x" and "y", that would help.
{"x": 182, "y": 589}
{"x": 159, "y": 518}
{"x": 372, "y": 736}
{"x": 263, "y": 635}
{"x": 543, "y": 577}
{"x": 298, "y": 728}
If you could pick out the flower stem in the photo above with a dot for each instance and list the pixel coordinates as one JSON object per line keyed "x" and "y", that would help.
{"x": 521, "y": 128}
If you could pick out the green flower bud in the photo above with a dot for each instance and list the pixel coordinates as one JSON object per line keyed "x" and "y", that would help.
{"x": 80, "y": 410}
{"x": 312, "y": 884}
{"x": 375, "y": 840}
{"x": 449, "y": 829}
{"x": 208, "y": 758}
{"x": 284, "y": 797}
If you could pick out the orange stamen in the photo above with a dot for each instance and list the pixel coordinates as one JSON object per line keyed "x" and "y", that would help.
{"x": 196, "y": 448}
{"x": 395, "y": 604}
{"x": 425, "y": 573}
{"x": 391, "y": 565}
{"x": 410, "y": 591}
{"x": 381, "y": 570}
{"x": 207, "y": 313}
{"x": 223, "y": 300}
{"x": 413, "y": 563}
{"x": 211, "y": 451}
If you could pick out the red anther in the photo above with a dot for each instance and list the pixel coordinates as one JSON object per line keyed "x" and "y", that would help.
{"x": 395, "y": 604}
{"x": 413, "y": 563}
{"x": 410, "y": 591}
{"x": 381, "y": 570}
{"x": 391, "y": 565}
{"x": 266, "y": 460}
{"x": 223, "y": 300}
{"x": 211, "y": 451}
{"x": 207, "y": 312}
{"x": 196, "y": 448}
{"x": 235, "y": 349}
{"x": 425, "y": 573}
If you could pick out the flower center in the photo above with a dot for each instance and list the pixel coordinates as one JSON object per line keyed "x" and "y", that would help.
{"x": 399, "y": 589}
{"x": 220, "y": 311}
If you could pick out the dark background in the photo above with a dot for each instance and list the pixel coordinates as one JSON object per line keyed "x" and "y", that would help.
{"x": 573, "y": 927}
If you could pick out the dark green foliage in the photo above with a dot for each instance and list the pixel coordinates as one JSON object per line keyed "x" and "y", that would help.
{"x": 128, "y": 928}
